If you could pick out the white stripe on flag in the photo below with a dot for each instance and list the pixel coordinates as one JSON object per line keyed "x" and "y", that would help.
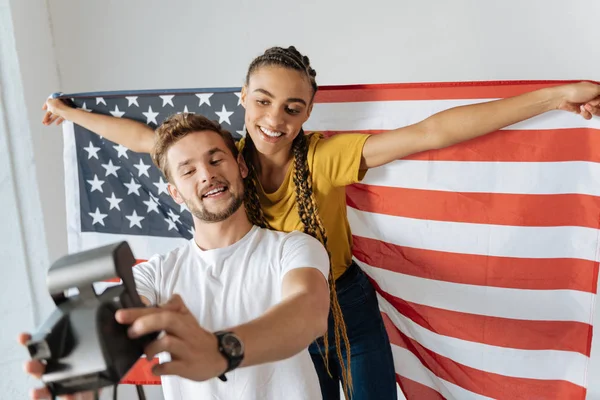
{"x": 532, "y": 364}
{"x": 482, "y": 239}
{"x": 489, "y": 177}
{"x": 376, "y": 115}
{"x": 522, "y": 304}
{"x": 409, "y": 366}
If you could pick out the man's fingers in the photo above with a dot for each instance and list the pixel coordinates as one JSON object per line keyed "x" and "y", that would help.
{"x": 175, "y": 303}
{"x": 169, "y": 343}
{"x": 41, "y": 393}
{"x": 23, "y": 338}
{"x": 34, "y": 368}
{"x": 169, "y": 368}
{"x": 171, "y": 322}
{"x": 44, "y": 393}
{"x": 128, "y": 315}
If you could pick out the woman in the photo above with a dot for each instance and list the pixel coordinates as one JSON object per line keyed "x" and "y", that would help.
{"x": 298, "y": 181}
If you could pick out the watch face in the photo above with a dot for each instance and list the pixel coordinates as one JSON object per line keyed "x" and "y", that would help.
{"x": 232, "y": 345}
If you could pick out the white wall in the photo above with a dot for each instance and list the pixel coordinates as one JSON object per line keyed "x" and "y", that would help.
{"x": 145, "y": 44}
{"x": 32, "y": 227}
{"x": 75, "y": 46}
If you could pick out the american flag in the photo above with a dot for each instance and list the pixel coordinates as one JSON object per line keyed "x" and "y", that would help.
{"x": 484, "y": 255}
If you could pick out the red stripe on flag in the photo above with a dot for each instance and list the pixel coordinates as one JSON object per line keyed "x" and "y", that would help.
{"x": 141, "y": 373}
{"x": 485, "y": 383}
{"x": 478, "y": 208}
{"x": 429, "y": 91}
{"x": 495, "y": 331}
{"x": 555, "y": 145}
{"x": 483, "y": 270}
{"x": 415, "y": 390}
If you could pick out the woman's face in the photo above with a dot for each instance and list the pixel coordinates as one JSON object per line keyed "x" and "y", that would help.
{"x": 278, "y": 101}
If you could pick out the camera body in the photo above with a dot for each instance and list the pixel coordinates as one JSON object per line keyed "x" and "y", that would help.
{"x": 82, "y": 344}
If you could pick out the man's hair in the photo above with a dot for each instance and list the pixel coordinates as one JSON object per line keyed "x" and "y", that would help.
{"x": 178, "y": 126}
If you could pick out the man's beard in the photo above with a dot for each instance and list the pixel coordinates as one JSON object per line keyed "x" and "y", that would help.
{"x": 204, "y": 215}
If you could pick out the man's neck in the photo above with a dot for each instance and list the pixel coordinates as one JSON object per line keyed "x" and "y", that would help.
{"x": 216, "y": 235}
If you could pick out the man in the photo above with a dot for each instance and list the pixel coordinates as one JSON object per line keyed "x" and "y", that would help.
{"x": 236, "y": 295}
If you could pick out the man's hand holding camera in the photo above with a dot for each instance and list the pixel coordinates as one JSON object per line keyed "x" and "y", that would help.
{"x": 194, "y": 351}
{"x": 36, "y": 369}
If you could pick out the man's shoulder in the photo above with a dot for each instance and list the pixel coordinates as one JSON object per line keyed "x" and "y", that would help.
{"x": 283, "y": 240}
{"x": 173, "y": 256}
{"x": 283, "y": 236}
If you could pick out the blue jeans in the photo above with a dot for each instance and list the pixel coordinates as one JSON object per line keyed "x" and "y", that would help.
{"x": 371, "y": 362}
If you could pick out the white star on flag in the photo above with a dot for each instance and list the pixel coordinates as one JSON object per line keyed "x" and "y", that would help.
{"x": 122, "y": 150}
{"x": 96, "y": 184}
{"x": 154, "y": 198}
{"x": 100, "y": 100}
{"x": 204, "y": 98}
{"x": 133, "y": 187}
{"x": 173, "y": 216}
{"x": 242, "y": 133}
{"x": 92, "y": 151}
{"x": 224, "y": 115}
{"x": 183, "y": 208}
{"x": 239, "y": 95}
{"x": 161, "y": 185}
{"x": 185, "y": 111}
{"x": 151, "y": 204}
{"x": 111, "y": 169}
{"x": 142, "y": 168}
{"x": 84, "y": 108}
{"x": 98, "y": 217}
{"x": 171, "y": 224}
{"x": 150, "y": 116}
{"x": 134, "y": 220}
{"x": 167, "y": 100}
{"x": 116, "y": 112}
{"x": 132, "y": 100}
{"x": 114, "y": 202}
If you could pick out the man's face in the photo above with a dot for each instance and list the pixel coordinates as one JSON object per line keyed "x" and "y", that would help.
{"x": 206, "y": 176}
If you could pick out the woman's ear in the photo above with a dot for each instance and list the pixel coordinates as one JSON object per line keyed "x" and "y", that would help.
{"x": 243, "y": 96}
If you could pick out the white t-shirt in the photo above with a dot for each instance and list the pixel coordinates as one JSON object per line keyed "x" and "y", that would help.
{"x": 230, "y": 286}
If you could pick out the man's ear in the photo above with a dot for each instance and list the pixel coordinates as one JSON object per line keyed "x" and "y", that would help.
{"x": 174, "y": 192}
{"x": 242, "y": 165}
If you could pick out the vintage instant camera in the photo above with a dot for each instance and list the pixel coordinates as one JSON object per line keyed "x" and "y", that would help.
{"x": 82, "y": 344}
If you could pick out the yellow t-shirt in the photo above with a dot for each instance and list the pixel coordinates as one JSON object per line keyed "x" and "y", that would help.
{"x": 334, "y": 163}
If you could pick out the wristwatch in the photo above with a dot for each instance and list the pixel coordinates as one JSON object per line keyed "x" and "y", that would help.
{"x": 232, "y": 348}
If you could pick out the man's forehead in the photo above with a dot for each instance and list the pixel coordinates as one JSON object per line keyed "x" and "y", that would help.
{"x": 202, "y": 142}
{"x": 196, "y": 146}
